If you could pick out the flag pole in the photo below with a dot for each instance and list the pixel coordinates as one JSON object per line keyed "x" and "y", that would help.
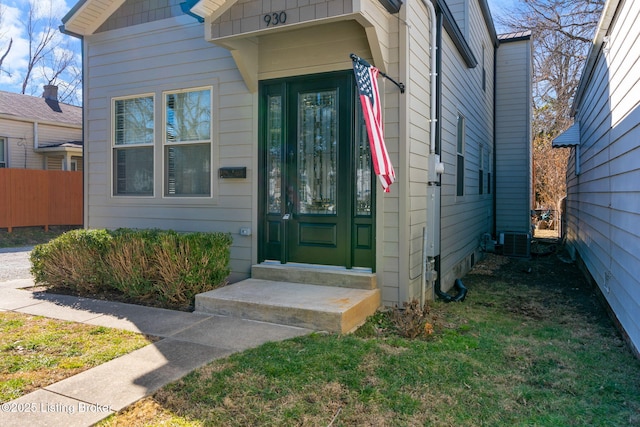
{"x": 356, "y": 58}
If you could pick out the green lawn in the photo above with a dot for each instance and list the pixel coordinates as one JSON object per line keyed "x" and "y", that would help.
{"x": 36, "y": 352}
{"x": 29, "y": 236}
{"x": 530, "y": 346}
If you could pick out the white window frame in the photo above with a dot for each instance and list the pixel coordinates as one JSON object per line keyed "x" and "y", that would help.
{"x": 3, "y": 152}
{"x": 166, "y": 144}
{"x": 115, "y": 146}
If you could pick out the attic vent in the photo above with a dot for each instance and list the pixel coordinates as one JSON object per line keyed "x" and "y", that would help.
{"x": 516, "y": 244}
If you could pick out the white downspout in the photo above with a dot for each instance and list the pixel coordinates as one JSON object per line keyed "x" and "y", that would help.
{"x": 432, "y": 76}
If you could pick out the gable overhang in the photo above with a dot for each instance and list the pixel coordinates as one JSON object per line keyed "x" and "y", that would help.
{"x": 245, "y": 47}
{"x": 88, "y": 15}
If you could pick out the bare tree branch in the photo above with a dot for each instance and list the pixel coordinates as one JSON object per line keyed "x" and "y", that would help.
{"x": 4, "y": 55}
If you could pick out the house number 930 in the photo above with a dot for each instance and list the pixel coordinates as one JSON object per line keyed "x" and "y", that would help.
{"x": 275, "y": 18}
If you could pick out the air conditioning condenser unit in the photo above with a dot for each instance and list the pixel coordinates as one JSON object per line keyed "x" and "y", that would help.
{"x": 516, "y": 244}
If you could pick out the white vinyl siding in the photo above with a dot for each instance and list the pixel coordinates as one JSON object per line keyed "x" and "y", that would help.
{"x": 603, "y": 211}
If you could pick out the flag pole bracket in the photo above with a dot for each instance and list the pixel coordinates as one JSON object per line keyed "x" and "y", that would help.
{"x": 364, "y": 62}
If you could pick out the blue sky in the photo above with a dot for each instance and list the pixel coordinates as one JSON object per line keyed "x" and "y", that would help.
{"x": 499, "y": 8}
{"x": 13, "y": 18}
{"x": 13, "y": 15}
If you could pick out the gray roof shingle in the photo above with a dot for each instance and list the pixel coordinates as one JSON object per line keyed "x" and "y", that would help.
{"x": 38, "y": 108}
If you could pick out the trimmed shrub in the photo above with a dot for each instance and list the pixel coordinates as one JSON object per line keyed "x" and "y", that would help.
{"x": 188, "y": 264}
{"x": 129, "y": 264}
{"x": 73, "y": 260}
{"x": 157, "y": 267}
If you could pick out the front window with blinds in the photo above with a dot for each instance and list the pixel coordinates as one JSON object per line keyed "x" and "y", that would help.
{"x": 187, "y": 145}
{"x": 133, "y": 139}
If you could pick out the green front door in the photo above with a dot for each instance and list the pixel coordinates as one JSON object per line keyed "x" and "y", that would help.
{"x": 316, "y": 180}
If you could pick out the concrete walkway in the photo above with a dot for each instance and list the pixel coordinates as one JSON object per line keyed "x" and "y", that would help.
{"x": 189, "y": 340}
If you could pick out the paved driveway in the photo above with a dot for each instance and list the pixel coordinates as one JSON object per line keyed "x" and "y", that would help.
{"x": 14, "y": 263}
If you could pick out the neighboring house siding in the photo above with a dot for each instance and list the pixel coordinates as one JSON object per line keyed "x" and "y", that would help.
{"x": 20, "y": 136}
{"x": 602, "y": 202}
{"x": 465, "y": 218}
{"x": 513, "y": 137}
{"x": 51, "y": 134}
{"x": 20, "y": 156}
{"x": 171, "y": 55}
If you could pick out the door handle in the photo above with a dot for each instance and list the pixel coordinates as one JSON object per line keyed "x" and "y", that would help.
{"x": 286, "y": 216}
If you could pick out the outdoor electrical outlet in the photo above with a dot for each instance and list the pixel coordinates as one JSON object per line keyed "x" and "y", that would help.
{"x": 245, "y": 231}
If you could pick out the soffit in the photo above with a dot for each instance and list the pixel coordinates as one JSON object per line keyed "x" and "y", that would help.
{"x": 211, "y": 8}
{"x": 87, "y": 15}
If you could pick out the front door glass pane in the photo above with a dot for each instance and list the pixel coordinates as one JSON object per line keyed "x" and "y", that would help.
{"x": 317, "y": 152}
{"x": 363, "y": 167}
{"x": 274, "y": 158}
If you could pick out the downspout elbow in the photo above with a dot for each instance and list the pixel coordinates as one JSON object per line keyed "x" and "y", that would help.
{"x": 459, "y": 297}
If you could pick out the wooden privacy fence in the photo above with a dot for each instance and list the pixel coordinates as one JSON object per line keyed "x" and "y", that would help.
{"x": 31, "y": 197}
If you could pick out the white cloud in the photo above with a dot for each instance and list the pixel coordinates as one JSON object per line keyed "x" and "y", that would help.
{"x": 46, "y": 8}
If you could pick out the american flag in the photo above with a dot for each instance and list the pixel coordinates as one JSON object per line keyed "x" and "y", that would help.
{"x": 367, "y": 82}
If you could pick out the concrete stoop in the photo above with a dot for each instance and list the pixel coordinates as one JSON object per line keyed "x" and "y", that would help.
{"x": 323, "y": 308}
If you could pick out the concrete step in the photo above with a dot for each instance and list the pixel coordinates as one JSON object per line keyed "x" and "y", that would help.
{"x": 322, "y": 308}
{"x": 315, "y": 275}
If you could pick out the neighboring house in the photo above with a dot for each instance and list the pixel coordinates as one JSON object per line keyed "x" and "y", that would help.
{"x": 603, "y": 178}
{"x": 40, "y": 132}
{"x": 242, "y": 116}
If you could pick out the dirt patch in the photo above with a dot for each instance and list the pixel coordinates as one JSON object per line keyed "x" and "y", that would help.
{"x": 547, "y": 275}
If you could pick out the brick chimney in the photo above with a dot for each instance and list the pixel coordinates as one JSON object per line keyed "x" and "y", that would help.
{"x": 50, "y": 92}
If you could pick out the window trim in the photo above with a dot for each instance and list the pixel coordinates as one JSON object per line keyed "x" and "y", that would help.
{"x": 484, "y": 70}
{"x": 212, "y": 126}
{"x": 481, "y": 170}
{"x": 4, "y": 151}
{"x": 114, "y": 146}
{"x": 461, "y": 141}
